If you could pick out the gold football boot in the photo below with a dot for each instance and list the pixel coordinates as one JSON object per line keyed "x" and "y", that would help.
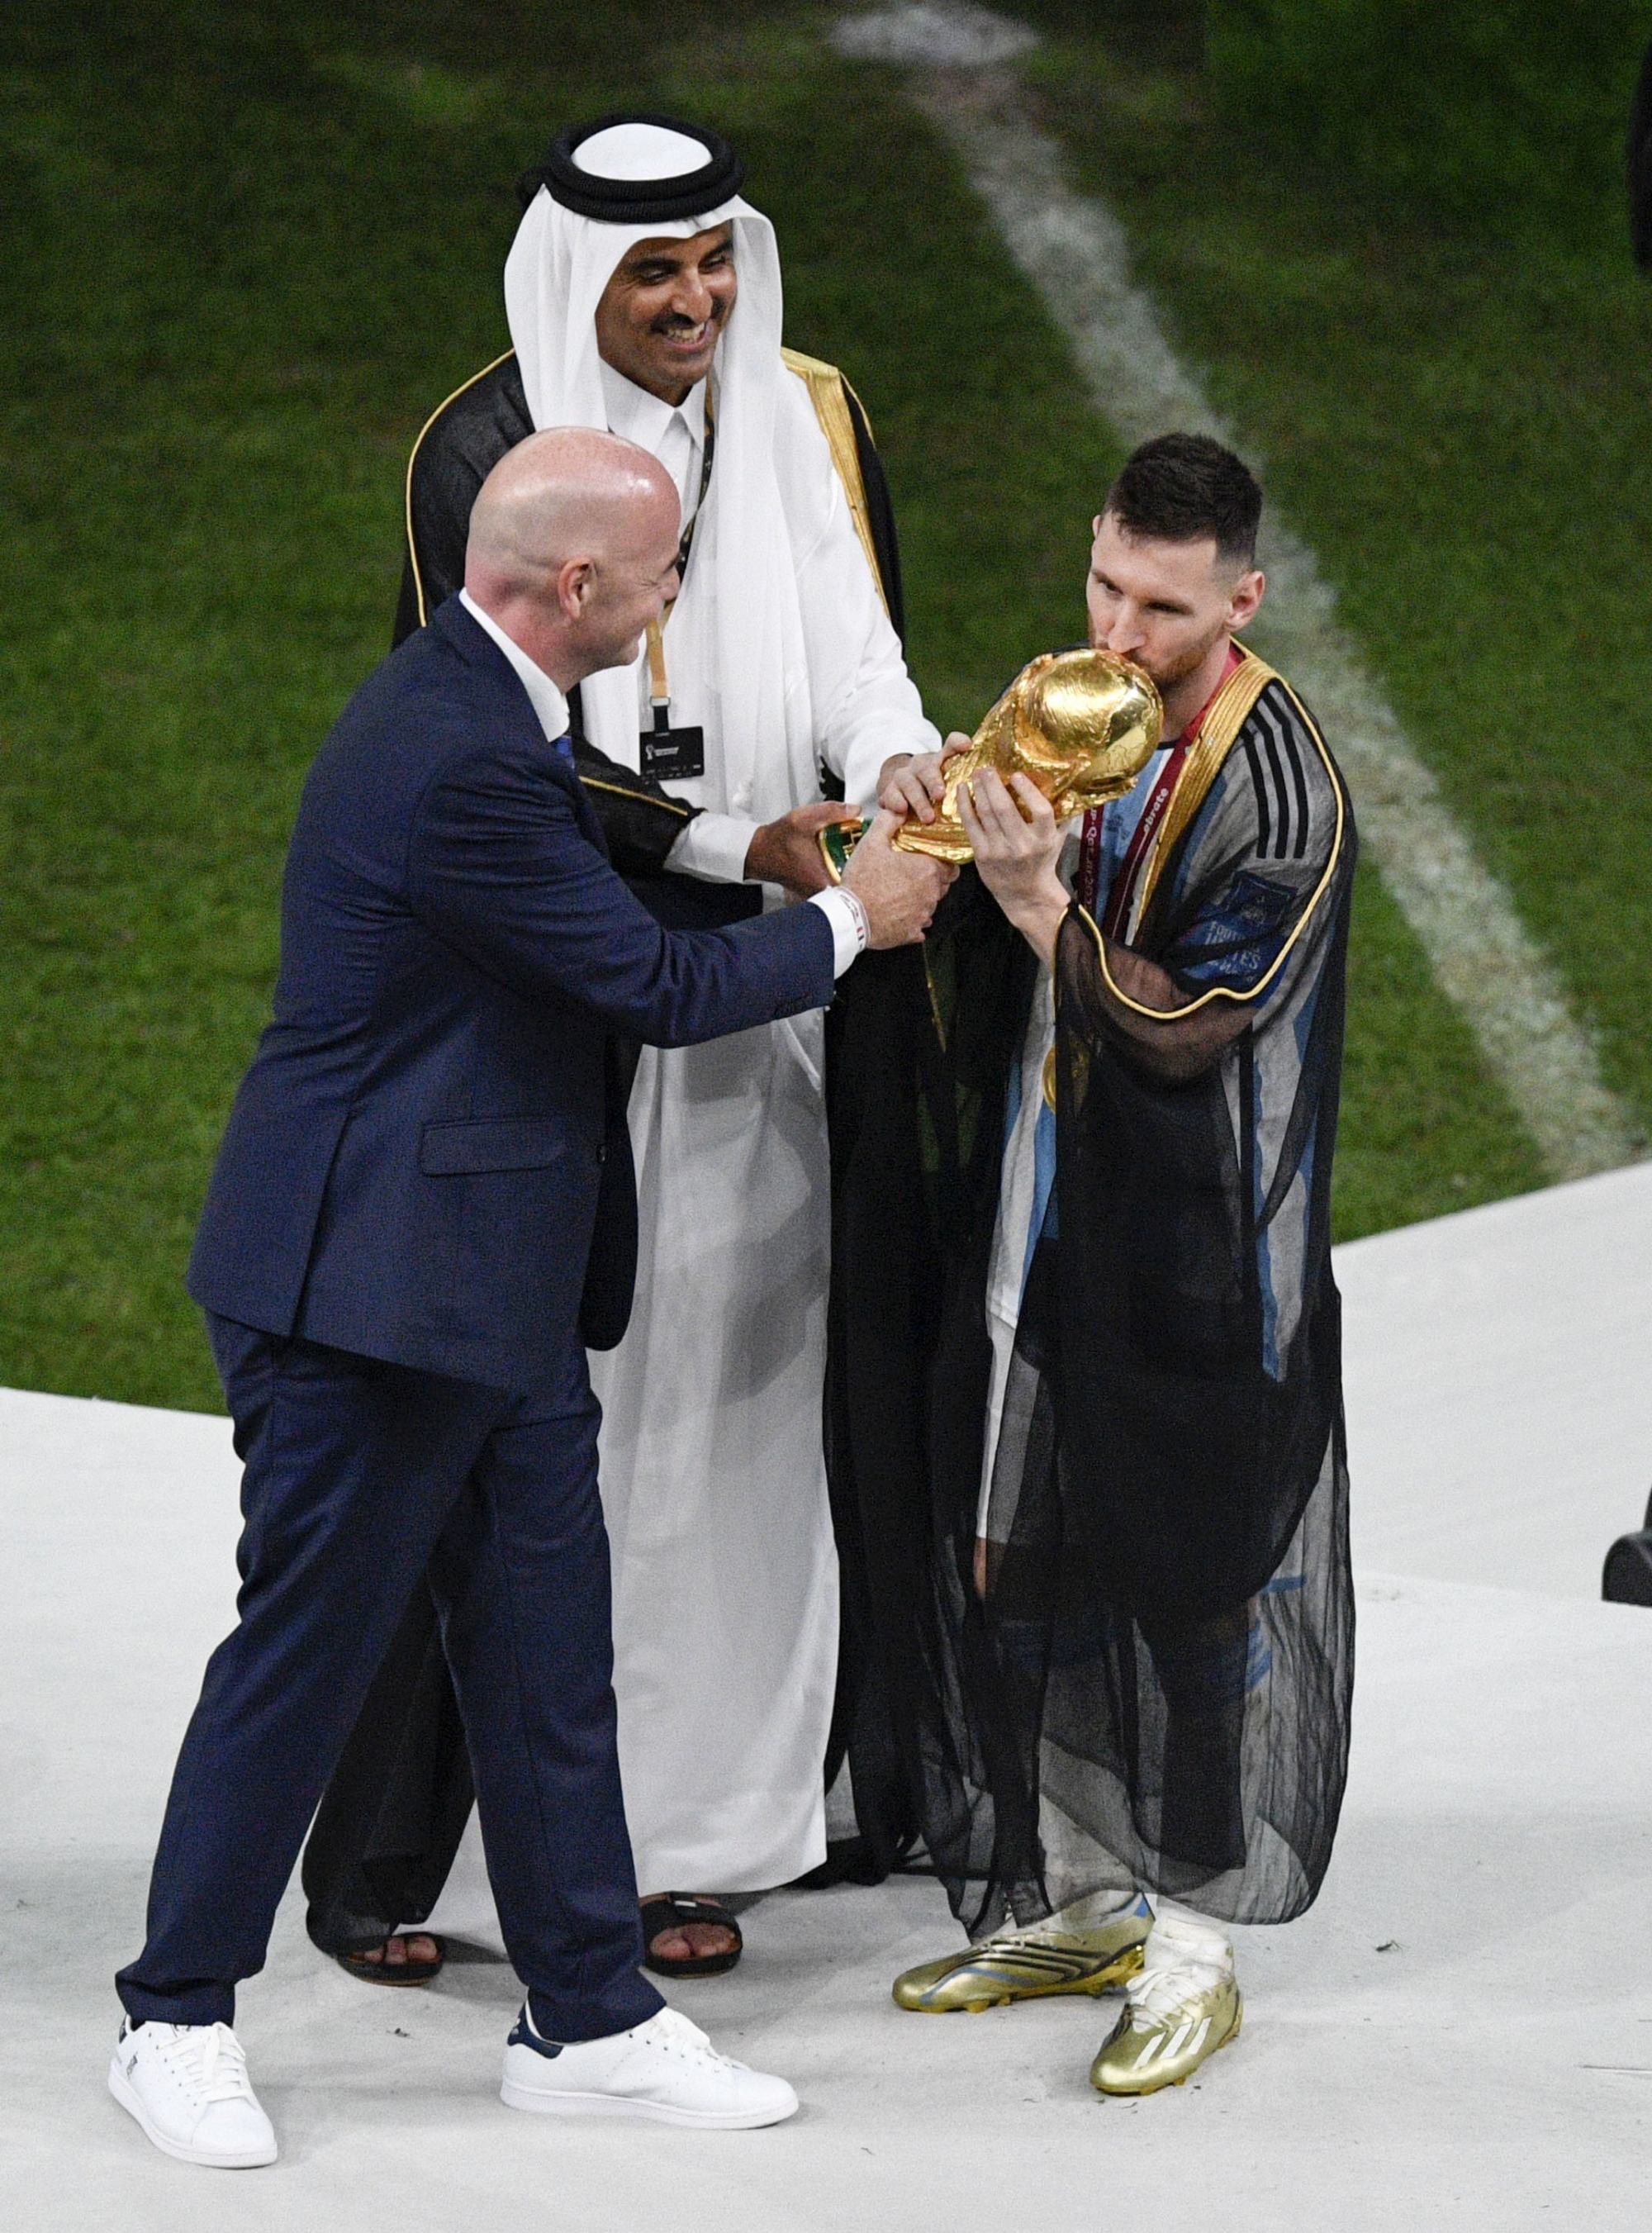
{"x": 1175, "y": 2017}
{"x": 1029, "y": 1965}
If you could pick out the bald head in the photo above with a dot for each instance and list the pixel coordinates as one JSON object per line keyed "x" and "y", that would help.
{"x": 570, "y": 493}
{"x": 572, "y": 547}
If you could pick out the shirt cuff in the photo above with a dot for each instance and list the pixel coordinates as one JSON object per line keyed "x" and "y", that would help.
{"x": 713, "y": 846}
{"x": 847, "y": 919}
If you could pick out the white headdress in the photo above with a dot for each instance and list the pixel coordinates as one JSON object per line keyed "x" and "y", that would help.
{"x": 741, "y": 571}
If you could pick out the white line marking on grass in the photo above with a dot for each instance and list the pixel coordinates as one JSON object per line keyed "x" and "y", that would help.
{"x": 1075, "y": 253}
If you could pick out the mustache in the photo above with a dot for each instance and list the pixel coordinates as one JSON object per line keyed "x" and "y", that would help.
{"x": 672, "y": 321}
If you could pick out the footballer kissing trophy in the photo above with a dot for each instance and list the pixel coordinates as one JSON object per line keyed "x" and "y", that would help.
{"x": 1083, "y": 725}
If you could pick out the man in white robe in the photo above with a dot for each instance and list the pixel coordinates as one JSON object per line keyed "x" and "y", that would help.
{"x": 777, "y": 659}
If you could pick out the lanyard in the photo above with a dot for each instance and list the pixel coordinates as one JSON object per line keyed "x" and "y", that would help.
{"x": 659, "y": 687}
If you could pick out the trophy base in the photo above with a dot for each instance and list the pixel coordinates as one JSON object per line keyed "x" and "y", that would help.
{"x": 940, "y": 840}
{"x": 837, "y": 841}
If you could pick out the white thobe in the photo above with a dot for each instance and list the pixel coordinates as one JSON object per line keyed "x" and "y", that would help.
{"x": 712, "y": 1479}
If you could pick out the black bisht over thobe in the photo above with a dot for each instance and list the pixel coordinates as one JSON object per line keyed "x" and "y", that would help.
{"x": 1156, "y": 1690}
{"x": 385, "y": 1836}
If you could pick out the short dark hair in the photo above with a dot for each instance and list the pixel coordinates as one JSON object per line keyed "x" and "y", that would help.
{"x": 1184, "y": 487}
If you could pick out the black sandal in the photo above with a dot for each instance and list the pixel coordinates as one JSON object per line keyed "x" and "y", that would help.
{"x": 673, "y": 1908}
{"x": 393, "y": 1973}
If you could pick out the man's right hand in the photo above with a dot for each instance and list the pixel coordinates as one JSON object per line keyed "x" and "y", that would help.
{"x": 787, "y": 852}
{"x": 900, "y": 891}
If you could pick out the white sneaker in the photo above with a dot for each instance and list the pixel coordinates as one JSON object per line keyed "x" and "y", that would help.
{"x": 187, "y": 2085}
{"x": 666, "y": 2068}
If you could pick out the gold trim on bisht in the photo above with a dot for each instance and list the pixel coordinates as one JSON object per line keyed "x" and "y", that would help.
{"x": 1225, "y": 991}
{"x": 830, "y": 393}
{"x": 1227, "y": 714}
{"x": 412, "y": 456}
{"x": 647, "y": 798}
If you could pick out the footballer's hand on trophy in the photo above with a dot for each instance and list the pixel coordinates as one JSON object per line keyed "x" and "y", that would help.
{"x": 1017, "y": 843}
{"x": 1013, "y": 833}
{"x": 787, "y": 852}
{"x": 912, "y": 784}
{"x": 900, "y": 891}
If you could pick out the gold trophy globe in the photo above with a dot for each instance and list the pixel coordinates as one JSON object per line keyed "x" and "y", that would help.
{"x": 1083, "y": 725}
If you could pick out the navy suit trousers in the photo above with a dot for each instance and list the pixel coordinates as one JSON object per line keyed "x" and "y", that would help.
{"x": 358, "y": 1476}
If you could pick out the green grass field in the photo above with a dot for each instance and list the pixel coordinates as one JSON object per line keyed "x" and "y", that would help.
{"x": 1454, "y": 405}
{"x": 255, "y": 244}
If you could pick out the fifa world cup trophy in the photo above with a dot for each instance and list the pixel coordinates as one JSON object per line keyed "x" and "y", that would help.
{"x": 1083, "y": 725}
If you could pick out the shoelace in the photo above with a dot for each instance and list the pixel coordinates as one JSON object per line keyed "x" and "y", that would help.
{"x": 672, "y": 2029}
{"x": 213, "y": 2060}
{"x": 1014, "y": 1941}
{"x": 1172, "y": 1989}
{"x": 1075, "y": 1941}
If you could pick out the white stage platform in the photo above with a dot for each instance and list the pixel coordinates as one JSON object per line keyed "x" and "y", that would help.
{"x": 1459, "y": 2035}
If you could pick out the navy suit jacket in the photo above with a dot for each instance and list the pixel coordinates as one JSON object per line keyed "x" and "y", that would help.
{"x": 428, "y": 1160}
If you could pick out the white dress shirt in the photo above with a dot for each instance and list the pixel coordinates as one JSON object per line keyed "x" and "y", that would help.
{"x": 841, "y": 909}
{"x": 543, "y": 695}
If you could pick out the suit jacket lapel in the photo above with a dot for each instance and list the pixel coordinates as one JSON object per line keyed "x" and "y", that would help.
{"x": 511, "y": 708}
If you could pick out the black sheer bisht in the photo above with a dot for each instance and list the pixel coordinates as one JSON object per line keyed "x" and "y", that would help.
{"x": 1156, "y": 1689}
{"x": 916, "y": 1088}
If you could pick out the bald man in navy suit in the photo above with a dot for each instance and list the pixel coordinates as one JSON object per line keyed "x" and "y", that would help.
{"x": 422, "y": 1212}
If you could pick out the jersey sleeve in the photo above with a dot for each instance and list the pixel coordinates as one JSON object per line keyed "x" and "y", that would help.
{"x": 1259, "y": 861}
